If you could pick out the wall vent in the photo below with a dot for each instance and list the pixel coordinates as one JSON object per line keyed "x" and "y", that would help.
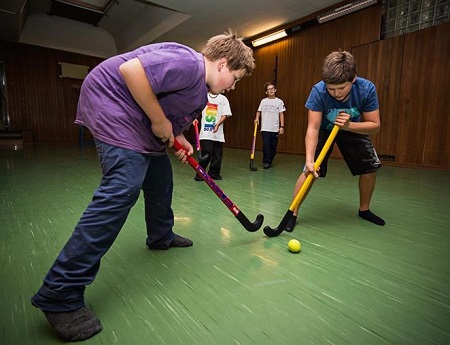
{"x": 387, "y": 158}
{"x": 70, "y": 70}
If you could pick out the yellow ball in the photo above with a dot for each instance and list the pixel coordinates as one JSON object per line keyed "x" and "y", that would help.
{"x": 294, "y": 246}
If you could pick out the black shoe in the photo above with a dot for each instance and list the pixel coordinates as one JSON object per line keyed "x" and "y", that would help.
{"x": 266, "y": 166}
{"x": 180, "y": 241}
{"x": 291, "y": 224}
{"x": 198, "y": 178}
{"x": 216, "y": 177}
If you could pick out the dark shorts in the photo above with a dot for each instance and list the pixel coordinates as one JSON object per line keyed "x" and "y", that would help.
{"x": 357, "y": 150}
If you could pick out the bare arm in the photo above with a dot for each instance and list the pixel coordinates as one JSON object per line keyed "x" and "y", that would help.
{"x": 142, "y": 92}
{"x": 258, "y": 114}
{"x": 312, "y": 138}
{"x": 218, "y": 123}
{"x": 370, "y": 123}
{"x": 281, "y": 129}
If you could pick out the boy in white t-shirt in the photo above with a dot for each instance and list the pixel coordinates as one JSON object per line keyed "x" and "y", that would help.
{"x": 271, "y": 110}
{"x": 211, "y": 135}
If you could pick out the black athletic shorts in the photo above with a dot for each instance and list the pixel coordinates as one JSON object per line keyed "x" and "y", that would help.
{"x": 357, "y": 150}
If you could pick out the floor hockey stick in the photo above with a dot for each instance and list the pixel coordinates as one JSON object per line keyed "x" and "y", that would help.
{"x": 197, "y": 137}
{"x": 249, "y": 226}
{"x": 304, "y": 188}
{"x": 201, "y": 157}
{"x": 252, "y": 155}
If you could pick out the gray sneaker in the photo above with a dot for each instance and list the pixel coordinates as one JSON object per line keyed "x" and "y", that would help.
{"x": 180, "y": 241}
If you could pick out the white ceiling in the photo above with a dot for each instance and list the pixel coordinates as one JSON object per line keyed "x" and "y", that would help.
{"x": 137, "y": 22}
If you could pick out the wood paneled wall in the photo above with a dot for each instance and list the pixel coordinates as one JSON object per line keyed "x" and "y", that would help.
{"x": 381, "y": 62}
{"x": 423, "y": 130}
{"x": 39, "y": 101}
{"x": 411, "y": 73}
{"x": 299, "y": 67}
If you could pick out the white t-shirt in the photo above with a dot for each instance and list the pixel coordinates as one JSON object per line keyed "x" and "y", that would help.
{"x": 270, "y": 109}
{"x": 217, "y": 107}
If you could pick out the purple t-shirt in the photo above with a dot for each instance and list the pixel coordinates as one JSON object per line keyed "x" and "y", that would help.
{"x": 107, "y": 108}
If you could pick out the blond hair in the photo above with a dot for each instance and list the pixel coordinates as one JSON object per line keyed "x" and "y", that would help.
{"x": 339, "y": 67}
{"x": 231, "y": 47}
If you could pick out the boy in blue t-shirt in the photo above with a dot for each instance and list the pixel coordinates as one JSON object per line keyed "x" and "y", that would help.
{"x": 350, "y": 102}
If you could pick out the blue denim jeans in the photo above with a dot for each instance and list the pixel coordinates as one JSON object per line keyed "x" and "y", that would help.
{"x": 125, "y": 173}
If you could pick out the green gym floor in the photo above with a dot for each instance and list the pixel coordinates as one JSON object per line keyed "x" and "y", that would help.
{"x": 352, "y": 283}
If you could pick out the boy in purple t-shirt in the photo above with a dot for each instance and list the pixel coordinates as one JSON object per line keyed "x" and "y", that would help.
{"x": 135, "y": 104}
{"x": 350, "y": 102}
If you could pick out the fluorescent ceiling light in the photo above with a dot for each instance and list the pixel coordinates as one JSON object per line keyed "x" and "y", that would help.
{"x": 269, "y": 38}
{"x": 346, "y": 9}
{"x": 97, "y": 5}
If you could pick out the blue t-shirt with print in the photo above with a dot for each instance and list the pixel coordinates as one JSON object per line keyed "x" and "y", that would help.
{"x": 362, "y": 98}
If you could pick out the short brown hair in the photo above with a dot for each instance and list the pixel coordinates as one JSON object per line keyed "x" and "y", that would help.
{"x": 231, "y": 47}
{"x": 269, "y": 83}
{"x": 339, "y": 67}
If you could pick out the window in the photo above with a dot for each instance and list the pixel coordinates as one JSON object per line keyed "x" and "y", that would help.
{"x": 403, "y": 16}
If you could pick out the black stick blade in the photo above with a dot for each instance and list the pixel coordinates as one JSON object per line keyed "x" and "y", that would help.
{"x": 249, "y": 226}
{"x": 281, "y": 227}
{"x": 252, "y": 168}
{"x": 202, "y": 156}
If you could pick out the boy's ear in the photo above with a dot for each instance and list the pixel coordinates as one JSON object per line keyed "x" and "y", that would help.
{"x": 221, "y": 63}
